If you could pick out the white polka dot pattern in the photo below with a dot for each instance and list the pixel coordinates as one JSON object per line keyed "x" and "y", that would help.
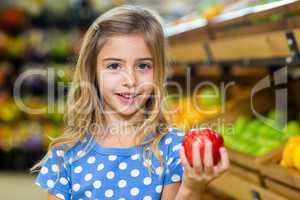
{"x": 109, "y": 193}
{"x": 112, "y": 173}
{"x": 78, "y": 169}
{"x": 88, "y": 177}
{"x": 97, "y": 184}
{"x": 91, "y": 160}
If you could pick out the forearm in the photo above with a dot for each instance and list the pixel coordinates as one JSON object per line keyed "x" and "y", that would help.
{"x": 191, "y": 194}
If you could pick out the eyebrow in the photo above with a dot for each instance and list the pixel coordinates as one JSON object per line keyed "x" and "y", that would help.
{"x": 118, "y": 59}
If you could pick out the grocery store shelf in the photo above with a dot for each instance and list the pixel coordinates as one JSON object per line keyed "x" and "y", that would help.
{"x": 268, "y": 49}
{"x": 240, "y": 38}
{"x": 235, "y": 17}
{"x": 188, "y": 26}
{"x": 192, "y": 52}
{"x": 259, "y": 11}
{"x": 260, "y": 46}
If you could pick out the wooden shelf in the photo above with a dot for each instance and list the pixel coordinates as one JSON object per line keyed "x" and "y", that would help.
{"x": 191, "y": 52}
{"x": 259, "y": 46}
{"x": 231, "y": 37}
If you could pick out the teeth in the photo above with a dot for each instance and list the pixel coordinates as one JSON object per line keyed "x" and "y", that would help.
{"x": 127, "y": 96}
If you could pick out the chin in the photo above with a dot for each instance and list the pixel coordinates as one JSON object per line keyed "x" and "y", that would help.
{"x": 127, "y": 111}
{"x": 123, "y": 109}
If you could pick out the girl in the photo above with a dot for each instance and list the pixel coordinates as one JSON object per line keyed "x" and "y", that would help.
{"x": 116, "y": 143}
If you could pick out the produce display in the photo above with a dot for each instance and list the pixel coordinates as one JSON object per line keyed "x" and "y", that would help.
{"x": 40, "y": 45}
{"x": 19, "y": 129}
{"x": 253, "y": 137}
{"x": 30, "y": 40}
{"x": 201, "y": 135}
{"x": 188, "y": 111}
{"x": 236, "y": 36}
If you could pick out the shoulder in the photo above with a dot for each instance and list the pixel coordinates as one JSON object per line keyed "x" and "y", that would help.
{"x": 172, "y": 140}
{"x": 173, "y": 135}
{"x": 67, "y": 153}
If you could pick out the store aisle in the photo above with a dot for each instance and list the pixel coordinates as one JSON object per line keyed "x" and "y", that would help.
{"x": 19, "y": 186}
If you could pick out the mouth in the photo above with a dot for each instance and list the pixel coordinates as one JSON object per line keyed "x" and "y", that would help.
{"x": 127, "y": 98}
{"x": 128, "y": 95}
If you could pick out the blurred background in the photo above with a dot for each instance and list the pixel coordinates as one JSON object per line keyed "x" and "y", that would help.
{"x": 238, "y": 60}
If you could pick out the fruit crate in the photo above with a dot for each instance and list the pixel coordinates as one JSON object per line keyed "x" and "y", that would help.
{"x": 247, "y": 166}
{"x": 238, "y": 187}
{"x": 282, "y": 189}
{"x": 282, "y": 180}
{"x": 247, "y": 161}
{"x": 249, "y": 175}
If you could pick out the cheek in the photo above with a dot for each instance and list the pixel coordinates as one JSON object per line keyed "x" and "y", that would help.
{"x": 146, "y": 81}
{"x": 108, "y": 80}
{"x": 147, "y": 86}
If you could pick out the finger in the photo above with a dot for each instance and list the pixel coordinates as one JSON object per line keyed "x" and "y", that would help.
{"x": 224, "y": 158}
{"x": 223, "y": 164}
{"x": 184, "y": 161}
{"x": 208, "y": 159}
{"x": 197, "y": 164}
{"x": 218, "y": 169}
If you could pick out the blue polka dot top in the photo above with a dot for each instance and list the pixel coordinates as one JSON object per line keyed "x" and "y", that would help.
{"x": 111, "y": 173}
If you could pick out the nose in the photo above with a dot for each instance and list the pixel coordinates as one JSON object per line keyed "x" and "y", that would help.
{"x": 129, "y": 79}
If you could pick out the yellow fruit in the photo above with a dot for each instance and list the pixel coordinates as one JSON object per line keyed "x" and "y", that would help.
{"x": 296, "y": 158}
{"x": 286, "y": 160}
{"x": 288, "y": 152}
{"x": 212, "y": 12}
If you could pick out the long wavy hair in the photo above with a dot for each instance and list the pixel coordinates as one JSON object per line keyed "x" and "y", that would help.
{"x": 84, "y": 94}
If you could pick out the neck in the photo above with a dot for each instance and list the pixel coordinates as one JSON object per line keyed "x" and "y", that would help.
{"x": 122, "y": 129}
{"x": 116, "y": 119}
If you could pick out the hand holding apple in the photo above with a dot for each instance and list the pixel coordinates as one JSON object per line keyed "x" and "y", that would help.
{"x": 200, "y": 135}
{"x": 203, "y": 157}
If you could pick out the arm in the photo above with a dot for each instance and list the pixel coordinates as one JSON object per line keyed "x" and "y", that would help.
{"x": 170, "y": 191}
{"x": 52, "y": 197}
{"x": 177, "y": 191}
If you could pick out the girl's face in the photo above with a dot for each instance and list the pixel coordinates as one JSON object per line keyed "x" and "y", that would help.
{"x": 125, "y": 74}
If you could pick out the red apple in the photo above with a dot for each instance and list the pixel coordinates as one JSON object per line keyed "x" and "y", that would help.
{"x": 200, "y": 135}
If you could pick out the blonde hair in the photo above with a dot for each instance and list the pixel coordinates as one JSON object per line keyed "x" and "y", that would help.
{"x": 117, "y": 21}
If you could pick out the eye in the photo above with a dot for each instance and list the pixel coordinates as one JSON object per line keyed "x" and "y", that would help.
{"x": 144, "y": 66}
{"x": 113, "y": 66}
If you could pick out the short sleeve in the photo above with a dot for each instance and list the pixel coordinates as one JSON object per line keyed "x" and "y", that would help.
{"x": 53, "y": 175}
{"x": 174, "y": 169}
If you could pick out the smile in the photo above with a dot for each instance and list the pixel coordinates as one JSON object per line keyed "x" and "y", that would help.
{"x": 127, "y": 98}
